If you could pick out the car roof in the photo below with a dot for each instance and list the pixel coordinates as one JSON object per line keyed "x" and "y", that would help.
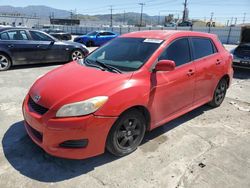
{"x": 13, "y": 28}
{"x": 101, "y": 31}
{"x": 164, "y": 34}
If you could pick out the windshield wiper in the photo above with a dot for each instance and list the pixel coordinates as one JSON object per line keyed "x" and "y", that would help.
{"x": 86, "y": 62}
{"x": 109, "y": 67}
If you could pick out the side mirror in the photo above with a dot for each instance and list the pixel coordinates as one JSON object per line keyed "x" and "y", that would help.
{"x": 52, "y": 42}
{"x": 98, "y": 35}
{"x": 165, "y": 65}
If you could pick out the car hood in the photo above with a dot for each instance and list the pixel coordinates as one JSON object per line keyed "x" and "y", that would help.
{"x": 74, "y": 82}
{"x": 72, "y": 43}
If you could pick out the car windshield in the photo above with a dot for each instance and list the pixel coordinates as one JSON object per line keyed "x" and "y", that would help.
{"x": 125, "y": 54}
{"x": 92, "y": 33}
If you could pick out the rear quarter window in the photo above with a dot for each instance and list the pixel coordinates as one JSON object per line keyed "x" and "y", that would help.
{"x": 203, "y": 47}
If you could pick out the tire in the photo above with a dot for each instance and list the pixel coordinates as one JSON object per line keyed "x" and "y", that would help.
{"x": 219, "y": 93}
{"x": 126, "y": 134}
{"x": 5, "y": 62}
{"x": 89, "y": 44}
{"x": 76, "y": 55}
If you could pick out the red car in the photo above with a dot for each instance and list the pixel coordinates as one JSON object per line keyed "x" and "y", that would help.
{"x": 134, "y": 83}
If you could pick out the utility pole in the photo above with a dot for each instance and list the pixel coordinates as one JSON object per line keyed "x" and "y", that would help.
{"x": 141, "y": 4}
{"x": 185, "y": 11}
{"x": 159, "y": 17}
{"x": 111, "y": 16}
{"x": 124, "y": 16}
{"x": 231, "y": 22}
{"x": 235, "y": 21}
{"x": 211, "y": 22}
{"x": 244, "y": 18}
{"x": 211, "y": 18}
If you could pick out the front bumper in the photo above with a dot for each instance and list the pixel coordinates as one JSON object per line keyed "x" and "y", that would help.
{"x": 50, "y": 133}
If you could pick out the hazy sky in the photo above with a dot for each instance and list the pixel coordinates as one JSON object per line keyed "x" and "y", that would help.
{"x": 223, "y": 9}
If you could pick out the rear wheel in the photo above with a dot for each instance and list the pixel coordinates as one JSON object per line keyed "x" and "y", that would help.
{"x": 219, "y": 93}
{"x": 127, "y": 133}
{"x": 77, "y": 54}
{"x": 5, "y": 62}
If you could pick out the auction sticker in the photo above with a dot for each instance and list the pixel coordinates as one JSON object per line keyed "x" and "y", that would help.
{"x": 157, "y": 41}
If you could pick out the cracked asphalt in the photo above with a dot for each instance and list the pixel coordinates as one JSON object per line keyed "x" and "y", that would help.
{"x": 204, "y": 148}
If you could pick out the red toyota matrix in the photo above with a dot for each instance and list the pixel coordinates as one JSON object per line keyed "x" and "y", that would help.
{"x": 134, "y": 83}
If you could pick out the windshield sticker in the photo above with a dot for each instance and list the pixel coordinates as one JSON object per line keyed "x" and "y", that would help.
{"x": 158, "y": 41}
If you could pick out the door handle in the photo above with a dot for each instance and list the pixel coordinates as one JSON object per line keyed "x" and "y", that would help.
{"x": 190, "y": 72}
{"x": 218, "y": 62}
{"x": 38, "y": 46}
{"x": 10, "y": 46}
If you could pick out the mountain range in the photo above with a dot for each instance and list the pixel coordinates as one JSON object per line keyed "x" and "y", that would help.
{"x": 45, "y": 12}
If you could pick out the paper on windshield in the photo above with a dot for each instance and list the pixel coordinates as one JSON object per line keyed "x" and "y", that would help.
{"x": 157, "y": 41}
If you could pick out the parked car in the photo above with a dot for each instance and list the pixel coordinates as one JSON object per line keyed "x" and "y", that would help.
{"x": 135, "y": 83}
{"x": 242, "y": 52}
{"x": 27, "y": 46}
{"x": 59, "y": 34}
{"x": 96, "y": 38}
{"x": 170, "y": 24}
{"x": 185, "y": 24}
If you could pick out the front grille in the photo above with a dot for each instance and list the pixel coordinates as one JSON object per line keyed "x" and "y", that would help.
{"x": 33, "y": 106}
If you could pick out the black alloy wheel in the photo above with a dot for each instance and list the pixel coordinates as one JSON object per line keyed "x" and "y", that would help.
{"x": 219, "y": 93}
{"x": 5, "y": 62}
{"x": 127, "y": 133}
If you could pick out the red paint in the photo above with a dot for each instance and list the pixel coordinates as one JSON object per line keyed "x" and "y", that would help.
{"x": 165, "y": 94}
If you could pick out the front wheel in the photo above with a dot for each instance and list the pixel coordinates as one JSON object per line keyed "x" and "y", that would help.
{"x": 5, "y": 62}
{"x": 77, "y": 54}
{"x": 219, "y": 93}
{"x": 127, "y": 133}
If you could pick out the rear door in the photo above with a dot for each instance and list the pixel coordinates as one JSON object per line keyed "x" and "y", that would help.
{"x": 209, "y": 65}
{"x": 21, "y": 48}
{"x": 174, "y": 90}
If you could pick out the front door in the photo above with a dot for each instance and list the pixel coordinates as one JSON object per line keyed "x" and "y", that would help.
{"x": 50, "y": 50}
{"x": 173, "y": 91}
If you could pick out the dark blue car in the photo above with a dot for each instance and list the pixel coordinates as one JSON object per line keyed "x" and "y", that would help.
{"x": 27, "y": 46}
{"x": 96, "y": 38}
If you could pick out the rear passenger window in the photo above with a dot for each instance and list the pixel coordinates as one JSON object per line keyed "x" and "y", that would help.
{"x": 178, "y": 51}
{"x": 4, "y": 36}
{"x": 202, "y": 47}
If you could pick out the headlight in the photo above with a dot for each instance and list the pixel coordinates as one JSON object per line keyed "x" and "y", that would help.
{"x": 81, "y": 108}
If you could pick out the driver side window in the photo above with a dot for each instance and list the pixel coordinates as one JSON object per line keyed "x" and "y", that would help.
{"x": 178, "y": 51}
